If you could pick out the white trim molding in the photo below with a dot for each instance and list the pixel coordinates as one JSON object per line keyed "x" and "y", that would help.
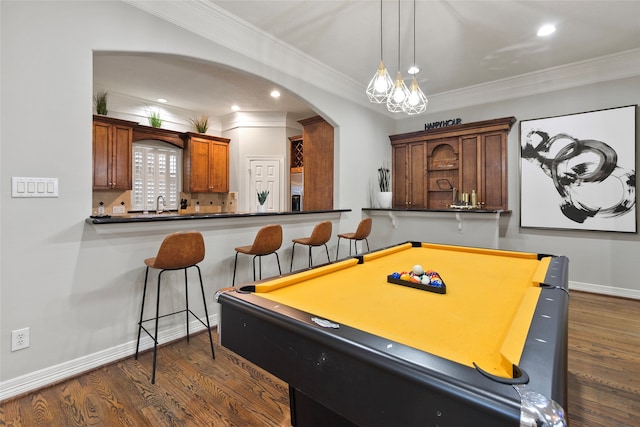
{"x": 605, "y": 290}
{"x": 63, "y": 371}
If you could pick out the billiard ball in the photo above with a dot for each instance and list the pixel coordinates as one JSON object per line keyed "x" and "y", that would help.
{"x": 418, "y": 270}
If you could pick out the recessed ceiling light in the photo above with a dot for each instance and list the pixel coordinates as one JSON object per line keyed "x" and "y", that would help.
{"x": 162, "y": 100}
{"x": 235, "y": 108}
{"x": 413, "y": 70}
{"x": 545, "y": 30}
{"x": 275, "y": 94}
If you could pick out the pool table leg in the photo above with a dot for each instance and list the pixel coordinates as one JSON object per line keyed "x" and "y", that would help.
{"x": 306, "y": 412}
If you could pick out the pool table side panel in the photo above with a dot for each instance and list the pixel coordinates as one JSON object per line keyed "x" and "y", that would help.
{"x": 368, "y": 387}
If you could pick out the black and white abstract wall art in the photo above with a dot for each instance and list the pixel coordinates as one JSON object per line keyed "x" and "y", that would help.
{"x": 578, "y": 171}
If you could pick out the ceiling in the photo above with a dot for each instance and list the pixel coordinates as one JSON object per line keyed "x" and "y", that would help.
{"x": 458, "y": 44}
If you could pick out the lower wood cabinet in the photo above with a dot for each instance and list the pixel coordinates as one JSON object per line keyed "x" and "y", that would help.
{"x": 429, "y": 165}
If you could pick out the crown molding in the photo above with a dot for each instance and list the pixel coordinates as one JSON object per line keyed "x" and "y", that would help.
{"x": 216, "y": 24}
{"x": 607, "y": 68}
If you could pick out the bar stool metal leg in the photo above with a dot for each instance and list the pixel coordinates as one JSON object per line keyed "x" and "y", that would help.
{"x": 186, "y": 297}
{"x": 235, "y": 265}
{"x": 155, "y": 337}
{"x": 326, "y": 248}
{"x": 206, "y": 312}
{"x": 278, "y": 261}
{"x": 144, "y": 293}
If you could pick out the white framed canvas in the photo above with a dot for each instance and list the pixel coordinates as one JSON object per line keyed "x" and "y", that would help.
{"x": 578, "y": 171}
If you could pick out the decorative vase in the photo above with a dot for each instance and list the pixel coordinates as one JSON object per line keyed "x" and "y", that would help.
{"x": 261, "y": 208}
{"x": 384, "y": 199}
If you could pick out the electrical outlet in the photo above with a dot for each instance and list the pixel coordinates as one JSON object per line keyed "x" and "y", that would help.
{"x": 117, "y": 210}
{"x": 20, "y": 339}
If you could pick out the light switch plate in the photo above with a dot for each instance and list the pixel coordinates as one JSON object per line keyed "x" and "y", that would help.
{"x": 34, "y": 187}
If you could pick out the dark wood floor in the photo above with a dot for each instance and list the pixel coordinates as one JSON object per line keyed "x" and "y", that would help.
{"x": 193, "y": 390}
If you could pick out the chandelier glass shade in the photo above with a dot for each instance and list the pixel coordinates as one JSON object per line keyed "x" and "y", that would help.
{"x": 416, "y": 102}
{"x": 397, "y": 98}
{"x": 380, "y": 85}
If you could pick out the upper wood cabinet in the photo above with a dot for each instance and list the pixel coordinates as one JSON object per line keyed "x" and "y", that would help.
{"x": 317, "y": 140}
{"x": 427, "y": 165}
{"x": 206, "y": 163}
{"x": 112, "y": 141}
{"x": 297, "y": 154}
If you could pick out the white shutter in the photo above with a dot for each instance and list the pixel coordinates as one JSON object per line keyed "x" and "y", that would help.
{"x": 156, "y": 172}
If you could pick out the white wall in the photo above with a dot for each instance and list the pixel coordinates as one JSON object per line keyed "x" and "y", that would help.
{"x": 257, "y": 141}
{"x": 599, "y": 261}
{"x": 79, "y": 289}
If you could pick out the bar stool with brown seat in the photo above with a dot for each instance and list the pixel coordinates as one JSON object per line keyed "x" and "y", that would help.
{"x": 267, "y": 241}
{"x": 361, "y": 233}
{"x": 178, "y": 251}
{"x": 319, "y": 236}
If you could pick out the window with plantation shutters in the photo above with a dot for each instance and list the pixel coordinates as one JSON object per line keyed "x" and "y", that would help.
{"x": 156, "y": 171}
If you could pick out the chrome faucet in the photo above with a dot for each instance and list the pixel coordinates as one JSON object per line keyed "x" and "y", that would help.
{"x": 164, "y": 203}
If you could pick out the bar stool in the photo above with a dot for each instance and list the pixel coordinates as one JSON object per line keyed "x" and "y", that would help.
{"x": 267, "y": 242}
{"x": 319, "y": 236}
{"x": 361, "y": 233}
{"x": 178, "y": 251}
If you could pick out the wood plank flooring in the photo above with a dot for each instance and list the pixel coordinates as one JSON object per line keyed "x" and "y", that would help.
{"x": 193, "y": 390}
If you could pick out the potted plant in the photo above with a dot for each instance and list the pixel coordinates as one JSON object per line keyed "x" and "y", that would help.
{"x": 200, "y": 124}
{"x": 262, "y": 197}
{"x": 100, "y": 101}
{"x": 384, "y": 183}
{"x": 154, "y": 118}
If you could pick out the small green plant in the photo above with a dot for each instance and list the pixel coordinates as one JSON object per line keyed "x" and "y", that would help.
{"x": 100, "y": 102}
{"x": 200, "y": 123}
{"x": 154, "y": 118}
{"x": 384, "y": 179}
{"x": 262, "y": 196}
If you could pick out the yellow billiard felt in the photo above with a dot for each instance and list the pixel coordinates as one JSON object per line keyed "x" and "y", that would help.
{"x": 484, "y": 317}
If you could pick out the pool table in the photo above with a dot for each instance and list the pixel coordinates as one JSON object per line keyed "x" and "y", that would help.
{"x": 488, "y": 349}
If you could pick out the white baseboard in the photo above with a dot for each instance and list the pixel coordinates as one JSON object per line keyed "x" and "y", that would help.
{"x": 605, "y": 290}
{"x": 44, "y": 377}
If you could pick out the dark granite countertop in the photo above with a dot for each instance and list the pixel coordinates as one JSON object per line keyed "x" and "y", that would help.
{"x": 175, "y": 216}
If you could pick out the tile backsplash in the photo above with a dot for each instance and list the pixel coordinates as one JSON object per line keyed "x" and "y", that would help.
{"x": 208, "y": 202}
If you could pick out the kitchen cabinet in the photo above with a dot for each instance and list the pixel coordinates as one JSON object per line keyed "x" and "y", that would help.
{"x": 317, "y": 152}
{"x": 409, "y": 176}
{"x": 112, "y": 142}
{"x": 428, "y": 165}
{"x": 206, "y": 163}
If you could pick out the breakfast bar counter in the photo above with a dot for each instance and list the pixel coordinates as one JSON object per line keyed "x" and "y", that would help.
{"x": 176, "y": 216}
{"x": 466, "y": 227}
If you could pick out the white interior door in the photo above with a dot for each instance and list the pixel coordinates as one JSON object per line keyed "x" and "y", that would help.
{"x": 265, "y": 175}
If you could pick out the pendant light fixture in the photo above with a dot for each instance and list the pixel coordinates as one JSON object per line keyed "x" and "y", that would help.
{"x": 416, "y": 102}
{"x": 400, "y": 93}
{"x": 381, "y": 84}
